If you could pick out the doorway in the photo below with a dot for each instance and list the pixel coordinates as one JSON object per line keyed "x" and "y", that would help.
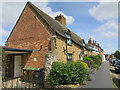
{"x": 17, "y": 65}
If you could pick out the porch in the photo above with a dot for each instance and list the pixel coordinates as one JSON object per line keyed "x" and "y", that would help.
{"x": 15, "y": 75}
{"x": 14, "y": 62}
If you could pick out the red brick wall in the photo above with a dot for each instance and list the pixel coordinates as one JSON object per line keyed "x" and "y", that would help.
{"x": 31, "y": 33}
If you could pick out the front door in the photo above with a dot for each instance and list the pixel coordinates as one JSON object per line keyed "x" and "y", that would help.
{"x": 17, "y": 66}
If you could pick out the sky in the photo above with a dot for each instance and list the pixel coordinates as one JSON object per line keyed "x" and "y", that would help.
{"x": 98, "y": 20}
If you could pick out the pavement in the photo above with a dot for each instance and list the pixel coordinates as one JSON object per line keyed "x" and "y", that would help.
{"x": 101, "y": 78}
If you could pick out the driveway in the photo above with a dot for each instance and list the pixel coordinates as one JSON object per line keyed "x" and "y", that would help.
{"x": 101, "y": 78}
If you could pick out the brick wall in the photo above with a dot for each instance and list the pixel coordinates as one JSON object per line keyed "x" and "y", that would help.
{"x": 31, "y": 33}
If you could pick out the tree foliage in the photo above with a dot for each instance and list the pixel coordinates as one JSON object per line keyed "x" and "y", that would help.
{"x": 117, "y": 54}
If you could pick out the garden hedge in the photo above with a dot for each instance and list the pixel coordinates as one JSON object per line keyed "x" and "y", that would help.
{"x": 93, "y": 61}
{"x": 68, "y": 73}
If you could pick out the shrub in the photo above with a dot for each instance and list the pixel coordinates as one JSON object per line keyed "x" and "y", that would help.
{"x": 97, "y": 59}
{"x": 93, "y": 61}
{"x": 68, "y": 73}
{"x": 89, "y": 61}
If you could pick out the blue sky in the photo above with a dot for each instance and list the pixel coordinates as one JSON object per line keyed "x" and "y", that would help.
{"x": 86, "y": 19}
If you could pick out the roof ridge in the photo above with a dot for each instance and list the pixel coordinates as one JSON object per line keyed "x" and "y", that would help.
{"x": 44, "y": 13}
{"x": 56, "y": 26}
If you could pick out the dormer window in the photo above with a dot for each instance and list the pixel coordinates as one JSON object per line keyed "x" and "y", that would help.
{"x": 69, "y": 41}
{"x": 83, "y": 44}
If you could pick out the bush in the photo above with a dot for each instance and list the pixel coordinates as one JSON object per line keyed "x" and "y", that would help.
{"x": 68, "y": 73}
{"x": 93, "y": 61}
{"x": 97, "y": 59}
{"x": 88, "y": 60}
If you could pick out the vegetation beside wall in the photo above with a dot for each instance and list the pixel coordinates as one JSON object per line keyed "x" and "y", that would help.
{"x": 68, "y": 73}
{"x": 93, "y": 61}
{"x": 3, "y": 63}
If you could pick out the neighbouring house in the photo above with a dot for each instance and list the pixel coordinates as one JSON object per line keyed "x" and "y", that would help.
{"x": 109, "y": 56}
{"x": 37, "y": 40}
{"x": 95, "y": 49}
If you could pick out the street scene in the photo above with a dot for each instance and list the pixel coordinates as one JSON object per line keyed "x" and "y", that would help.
{"x": 53, "y": 45}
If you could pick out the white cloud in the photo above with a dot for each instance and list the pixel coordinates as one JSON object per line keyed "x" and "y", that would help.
{"x": 49, "y": 11}
{"x": 4, "y": 33}
{"x": 110, "y": 50}
{"x": 12, "y": 10}
{"x": 104, "y": 11}
{"x": 107, "y": 12}
{"x": 108, "y": 30}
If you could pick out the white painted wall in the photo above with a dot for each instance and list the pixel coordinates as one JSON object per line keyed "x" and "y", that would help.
{"x": 103, "y": 58}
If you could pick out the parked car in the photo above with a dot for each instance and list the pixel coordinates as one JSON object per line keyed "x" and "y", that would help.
{"x": 117, "y": 66}
{"x": 113, "y": 61}
{"x": 110, "y": 60}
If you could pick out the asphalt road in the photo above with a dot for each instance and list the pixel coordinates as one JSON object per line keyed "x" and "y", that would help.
{"x": 101, "y": 78}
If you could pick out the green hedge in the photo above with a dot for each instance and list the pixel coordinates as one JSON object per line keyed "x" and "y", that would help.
{"x": 68, "y": 73}
{"x": 93, "y": 61}
{"x": 97, "y": 59}
{"x": 89, "y": 61}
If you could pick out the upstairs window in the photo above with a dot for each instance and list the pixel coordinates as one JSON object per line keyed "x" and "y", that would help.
{"x": 69, "y": 57}
{"x": 69, "y": 41}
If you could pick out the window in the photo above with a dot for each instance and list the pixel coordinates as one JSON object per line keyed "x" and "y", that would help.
{"x": 69, "y": 57}
{"x": 82, "y": 51}
{"x": 69, "y": 42}
{"x": 68, "y": 36}
{"x": 80, "y": 57}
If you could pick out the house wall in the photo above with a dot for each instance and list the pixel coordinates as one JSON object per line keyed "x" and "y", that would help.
{"x": 31, "y": 33}
{"x": 88, "y": 52}
{"x": 61, "y": 48}
{"x": 75, "y": 50}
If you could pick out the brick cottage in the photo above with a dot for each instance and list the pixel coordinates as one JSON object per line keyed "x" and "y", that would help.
{"x": 37, "y": 40}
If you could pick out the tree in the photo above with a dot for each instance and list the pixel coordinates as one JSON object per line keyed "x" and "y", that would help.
{"x": 117, "y": 54}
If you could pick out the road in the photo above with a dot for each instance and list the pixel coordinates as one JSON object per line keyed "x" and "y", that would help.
{"x": 101, "y": 78}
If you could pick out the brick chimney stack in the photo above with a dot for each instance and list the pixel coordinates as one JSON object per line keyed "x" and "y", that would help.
{"x": 61, "y": 19}
{"x": 90, "y": 41}
{"x": 95, "y": 43}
